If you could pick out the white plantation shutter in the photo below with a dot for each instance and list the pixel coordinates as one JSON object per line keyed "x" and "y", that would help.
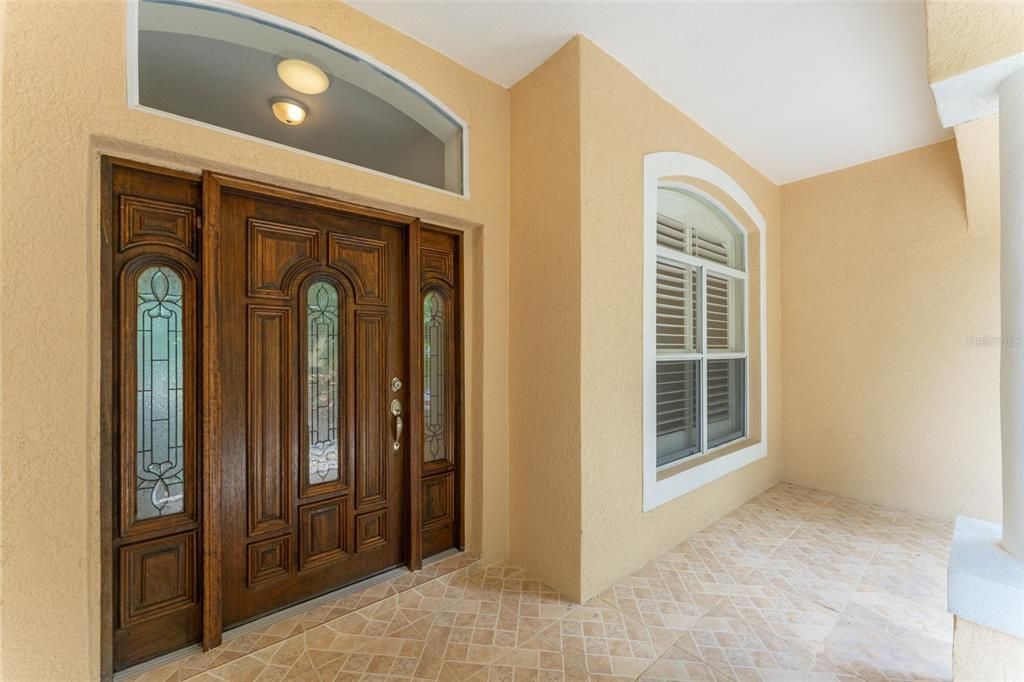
{"x": 686, "y": 354}
{"x": 678, "y": 409}
{"x": 718, "y": 312}
{"x": 725, "y": 400}
{"x": 677, "y": 308}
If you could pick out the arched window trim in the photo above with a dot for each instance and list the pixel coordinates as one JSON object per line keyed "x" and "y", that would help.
{"x": 132, "y": 58}
{"x": 657, "y": 167}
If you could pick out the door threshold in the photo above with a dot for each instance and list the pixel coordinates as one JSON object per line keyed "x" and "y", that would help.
{"x": 271, "y": 618}
{"x": 441, "y": 556}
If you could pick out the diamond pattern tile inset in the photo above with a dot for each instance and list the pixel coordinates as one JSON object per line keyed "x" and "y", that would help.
{"x": 795, "y": 585}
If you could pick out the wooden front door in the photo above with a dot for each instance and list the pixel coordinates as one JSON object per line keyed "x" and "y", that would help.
{"x": 258, "y": 344}
{"x": 311, "y": 353}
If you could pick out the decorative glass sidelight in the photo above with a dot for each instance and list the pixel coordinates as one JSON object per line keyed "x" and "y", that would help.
{"x": 160, "y": 394}
{"x": 435, "y": 397}
{"x": 322, "y": 323}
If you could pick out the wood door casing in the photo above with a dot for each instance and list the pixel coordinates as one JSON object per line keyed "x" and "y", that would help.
{"x": 284, "y": 539}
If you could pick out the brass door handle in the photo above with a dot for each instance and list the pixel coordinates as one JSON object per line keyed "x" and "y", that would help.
{"x": 396, "y": 411}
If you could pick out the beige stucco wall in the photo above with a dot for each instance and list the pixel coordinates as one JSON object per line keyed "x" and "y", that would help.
{"x": 981, "y": 654}
{"x": 966, "y": 34}
{"x": 581, "y": 125}
{"x": 977, "y": 144}
{"x": 64, "y": 100}
{"x": 622, "y": 119}
{"x": 544, "y": 344}
{"x": 890, "y": 307}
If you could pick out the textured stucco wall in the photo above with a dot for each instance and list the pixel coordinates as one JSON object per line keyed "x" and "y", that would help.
{"x": 622, "y": 119}
{"x": 981, "y": 654}
{"x": 581, "y": 125}
{"x": 544, "y": 344}
{"x": 966, "y": 34}
{"x": 977, "y": 144}
{"x": 3, "y": 38}
{"x": 890, "y": 307}
{"x": 64, "y": 102}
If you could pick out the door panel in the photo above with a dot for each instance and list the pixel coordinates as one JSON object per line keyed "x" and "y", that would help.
{"x": 312, "y": 322}
{"x": 371, "y": 383}
{"x": 270, "y": 377}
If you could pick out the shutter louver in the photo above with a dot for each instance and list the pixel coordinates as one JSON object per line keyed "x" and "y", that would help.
{"x": 677, "y": 308}
{"x": 720, "y": 296}
{"x": 678, "y": 409}
{"x": 726, "y": 387}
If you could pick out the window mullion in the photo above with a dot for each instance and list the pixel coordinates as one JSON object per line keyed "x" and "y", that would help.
{"x": 702, "y": 314}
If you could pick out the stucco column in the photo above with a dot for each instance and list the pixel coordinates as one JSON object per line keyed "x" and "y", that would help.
{"x": 1011, "y": 181}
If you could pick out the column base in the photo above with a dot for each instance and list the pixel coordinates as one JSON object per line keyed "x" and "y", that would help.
{"x": 983, "y": 654}
{"x": 985, "y": 582}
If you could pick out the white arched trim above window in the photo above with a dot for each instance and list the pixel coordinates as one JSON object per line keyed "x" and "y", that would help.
{"x": 659, "y": 167}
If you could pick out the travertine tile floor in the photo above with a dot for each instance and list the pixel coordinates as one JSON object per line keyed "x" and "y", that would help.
{"x": 794, "y": 585}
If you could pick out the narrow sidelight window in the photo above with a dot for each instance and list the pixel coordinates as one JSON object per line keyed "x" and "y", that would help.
{"x": 322, "y": 381}
{"x": 700, "y": 338}
{"x": 159, "y": 394}
{"x": 435, "y": 384}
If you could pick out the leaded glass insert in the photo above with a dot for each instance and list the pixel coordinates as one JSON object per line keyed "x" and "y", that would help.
{"x": 160, "y": 394}
{"x": 435, "y": 438}
{"x": 322, "y": 390}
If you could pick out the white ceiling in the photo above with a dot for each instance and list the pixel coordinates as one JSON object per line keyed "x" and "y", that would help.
{"x": 796, "y": 89}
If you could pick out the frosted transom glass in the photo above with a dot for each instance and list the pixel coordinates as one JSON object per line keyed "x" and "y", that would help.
{"x": 160, "y": 394}
{"x": 322, "y": 387}
{"x": 217, "y": 65}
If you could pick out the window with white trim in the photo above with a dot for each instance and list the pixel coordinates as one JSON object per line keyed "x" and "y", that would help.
{"x": 701, "y": 345}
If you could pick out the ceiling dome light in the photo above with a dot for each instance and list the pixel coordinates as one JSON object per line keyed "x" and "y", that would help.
{"x": 302, "y": 76}
{"x": 288, "y": 111}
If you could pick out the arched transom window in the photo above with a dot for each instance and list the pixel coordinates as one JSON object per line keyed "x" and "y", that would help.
{"x": 247, "y": 72}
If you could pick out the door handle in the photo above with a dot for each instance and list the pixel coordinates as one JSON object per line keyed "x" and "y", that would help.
{"x": 396, "y": 411}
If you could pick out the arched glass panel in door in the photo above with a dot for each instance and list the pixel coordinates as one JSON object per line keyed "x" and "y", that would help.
{"x": 435, "y": 379}
{"x": 159, "y": 394}
{"x": 322, "y": 331}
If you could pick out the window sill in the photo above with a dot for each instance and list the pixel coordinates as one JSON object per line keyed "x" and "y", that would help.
{"x": 670, "y": 483}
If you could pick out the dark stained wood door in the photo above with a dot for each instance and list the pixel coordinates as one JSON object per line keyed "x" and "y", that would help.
{"x": 150, "y": 425}
{"x": 312, "y": 336}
